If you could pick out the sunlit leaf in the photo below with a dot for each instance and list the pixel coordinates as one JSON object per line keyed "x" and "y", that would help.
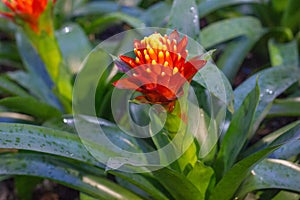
{"x": 143, "y": 182}
{"x": 230, "y": 182}
{"x": 271, "y": 174}
{"x": 203, "y": 177}
{"x": 231, "y": 28}
{"x": 172, "y": 181}
{"x": 64, "y": 171}
{"x": 237, "y": 133}
{"x": 30, "y": 106}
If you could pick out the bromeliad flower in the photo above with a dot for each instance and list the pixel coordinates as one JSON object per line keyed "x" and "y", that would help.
{"x": 28, "y": 11}
{"x": 159, "y": 70}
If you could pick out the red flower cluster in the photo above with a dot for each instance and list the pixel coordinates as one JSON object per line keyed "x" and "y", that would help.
{"x": 27, "y": 10}
{"x": 160, "y": 69}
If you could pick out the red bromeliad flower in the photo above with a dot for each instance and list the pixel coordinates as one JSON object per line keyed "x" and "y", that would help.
{"x": 27, "y": 10}
{"x": 159, "y": 70}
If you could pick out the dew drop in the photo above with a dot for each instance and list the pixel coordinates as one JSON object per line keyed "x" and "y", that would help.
{"x": 192, "y": 9}
{"x": 269, "y": 92}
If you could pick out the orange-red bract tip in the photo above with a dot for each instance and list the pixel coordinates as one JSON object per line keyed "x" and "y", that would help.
{"x": 29, "y": 11}
{"x": 160, "y": 69}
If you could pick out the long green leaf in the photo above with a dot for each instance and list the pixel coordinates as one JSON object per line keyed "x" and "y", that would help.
{"x": 230, "y": 182}
{"x": 284, "y": 134}
{"x": 206, "y": 7}
{"x": 103, "y": 22}
{"x": 63, "y": 171}
{"x": 34, "y": 86}
{"x": 237, "y": 133}
{"x": 36, "y": 79}
{"x": 11, "y": 87}
{"x": 234, "y": 54}
{"x": 36, "y": 138}
{"x": 73, "y": 55}
{"x": 177, "y": 185}
{"x": 156, "y": 15}
{"x": 285, "y": 107}
{"x": 271, "y": 174}
{"x": 104, "y": 7}
{"x": 184, "y": 18}
{"x": 292, "y": 146}
{"x": 272, "y": 82}
{"x": 30, "y": 106}
{"x": 52, "y": 141}
{"x": 227, "y": 29}
{"x": 8, "y": 51}
{"x": 291, "y": 16}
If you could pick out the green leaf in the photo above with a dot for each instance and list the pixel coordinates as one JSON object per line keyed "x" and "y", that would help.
{"x": 177, "y": 184}
{"x": 184, "y": 18}
{"x": 227, "y": 29}
{"x": 41, "y": 139}
{"x": 156, "y": 15}
{"x": 145, "y": 182}
{"x": 291, "y": 15}
{"x": 35, "y": 86}
{"x": 286, "y": 195}
{"x": 11, "y": 87}
{"x": 249, "y": 31}
{"x": 283, "y": 54}
{"x": 83, "y": 196}
{"x": 64, "y": 171}
{"x": 234, "y": 54}
{"x": 237, "y": 133}
{"x": 101, "y": 23}
{"x": 272, "y": 82}
{"x": 203, "y": 177}
{"x": 109, "y": 146}
{"x": 105, "y": 7}
{"x": 230, "y": 182}
{"x": 272, "y": 174}
{"x": 211, "y": 78}
{"x": 30, "y": 106}
{"x": 73, "y": 55}
{"x": 292, "y": 146}
{"x": 36, "y": 79}
{"x": 8, "y": 51}
{"x": 285, "y": 107}
{"x": 284, "y": 134}
{"x": 206, "y": 7}
{"x": 25, "y": 186}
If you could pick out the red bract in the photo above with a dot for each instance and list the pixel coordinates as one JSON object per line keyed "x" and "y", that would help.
{"x": 160, "y": 69}
{"x": 27, "y": 10}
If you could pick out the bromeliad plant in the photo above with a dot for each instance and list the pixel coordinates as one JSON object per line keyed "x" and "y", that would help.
{"x": 161, "y": 71}
{"x": 35, "y": 20}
